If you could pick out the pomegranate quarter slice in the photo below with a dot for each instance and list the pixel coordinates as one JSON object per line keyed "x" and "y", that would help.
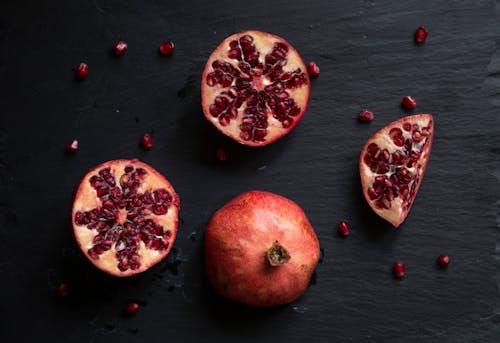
{"x": 125, "y": 216}
{"x": 255, "y": 88}
{"x": 392, "y": 165}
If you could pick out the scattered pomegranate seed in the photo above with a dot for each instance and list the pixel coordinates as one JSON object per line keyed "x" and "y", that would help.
{"x": 167, "y": 48}
{"x": 443, "y": 261}
{"x": 313, "y": 69}
{"x": 147, "y": 141}
{"x": 420, "y": 35}
{"x": 120, "y": 47}
{"x": 81, "y": 71}
{"x": 399, "y": 269}
{"x": 365, "y": 116}
{"x": 72, "y": 147}
{"x": 343, "y": 229}
{"x": 408, "y": 103}
{"x": 221, "y": 154}
{"x": 131, "y": 309}
{"x": 62, "y": 290}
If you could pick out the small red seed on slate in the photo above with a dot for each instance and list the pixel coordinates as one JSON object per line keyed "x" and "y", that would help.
{"x": 420, "y": 35}
{"x": 120, "y": 47}
{"x": 313, "y": 69}
{"x": 81, "y": 71}
{"x": 443, "y": 261}
{"x": 62, "y": 290}
{"x": 131, "y": 309}
{"x": 147, "y": 141}
{"x": 221, "y": 154}
{"x": 72, "y": 147}
{"x": 365, "y": 116}
{"x": 408, "y": 103}
{"x": 399, "y": 269}
{"x": 343, "y": 229}
{"x": 167, "y": 48}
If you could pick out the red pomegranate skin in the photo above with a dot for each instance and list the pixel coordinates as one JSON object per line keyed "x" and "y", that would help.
{"x": 236, "y": 243}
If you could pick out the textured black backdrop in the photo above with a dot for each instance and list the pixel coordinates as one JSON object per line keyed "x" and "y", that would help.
{"x": 367, "y": 59}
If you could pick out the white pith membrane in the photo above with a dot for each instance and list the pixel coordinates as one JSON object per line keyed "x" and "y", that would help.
{"x": 134, "y": 210}
{"x": 255, "y": 115}
{"x": 393, "y": 163}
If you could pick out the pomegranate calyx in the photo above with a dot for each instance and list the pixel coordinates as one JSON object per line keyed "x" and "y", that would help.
{"x": 277, "y": 255}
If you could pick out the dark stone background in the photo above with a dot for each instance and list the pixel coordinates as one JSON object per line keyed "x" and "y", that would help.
{"x": 367, "y": 59}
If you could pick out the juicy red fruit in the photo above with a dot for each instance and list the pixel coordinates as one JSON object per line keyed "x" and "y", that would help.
{"x": 399, "y": 269}
{"x": 62, "y": 290}
{"x": 443, "y": 261}
{"x": 131, "y": 309}
{"x": 81, "y": 71}
{"x": 420, "y": 35}
{"x": 167, "y": 48}
{"x": 408, "y": 103}
{"x": 120, "y": 48}
{"x": 392, "y": 165}
{"x": 313, "y": 69}
{"x": 255, "y": 88}
{"x": 72, "y": 147}
{"x": 147, "y": 141}
{"x": 365, "y": 116}
{"x": 125, "y": 217}
{"x": 343, "y": 229}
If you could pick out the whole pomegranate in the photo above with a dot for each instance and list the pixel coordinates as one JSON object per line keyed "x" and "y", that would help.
{"x": 125, "y": 216}
{"x": 392, "y": 165}
{"x": 260, "y": 250}
{"x": 255, "y": 88}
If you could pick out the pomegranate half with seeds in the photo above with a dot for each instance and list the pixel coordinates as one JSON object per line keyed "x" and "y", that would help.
{"x": 255, "y": 88}
{"x": 125, "y": 216}
{"x": 392, "y": 165}
{"x": 260, "y": 250}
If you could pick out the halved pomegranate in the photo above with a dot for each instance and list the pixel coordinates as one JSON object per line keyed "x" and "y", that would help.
{"x": 125, "y": 216}
{"x": 392, "y": 165}
{"x": 255, "y": 88}
{"x": 260, "y": 250}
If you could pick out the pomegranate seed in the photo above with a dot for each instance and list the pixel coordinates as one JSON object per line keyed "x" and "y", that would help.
{"x": 420, "y": 35}
{"x": 147, "y": 141}
{"x": 120, "y": 47}
{"x": 399, "y": 269}
{"x": 72, "y": 147}
{"x": 443, "y": 261}
{"x": 62, "y": 290}
{"x": 131, "y": 309}
{"x": 408, "y": 103}
{"x": 167, "y": 48}
{"x": 365, "y": 116}
{"x": 81, "y": 71}
{"x": 343, "y": 229}
{"x": 221, "y": 154}
{"x": 313, "y": 69}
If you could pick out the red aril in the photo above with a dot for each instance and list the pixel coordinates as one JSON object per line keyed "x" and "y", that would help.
{"x": 255, "y": 88}
{"x": 408, "y": 103}
{"x": 260, "y": 250}
{"x": 343, "y": 229}
{"x": 365, "y": 116}
{"x": 72, "y": 147}
{"x": 420, "y": 35}
{"x": 167, "y": 48}
{"x": 125, "y": 216}
{"x": 120, "y": 48}
{"x": 313, "y": 69}
{"x": 392, "y": 165}
{"x": 131, "y": 309}
{"x": 443, "y": 261}
{"x": 62, "y": 290}
{"x": 147, "y": 141}
{"x": 398, "y": 268}
{"x": 81, "y": 71}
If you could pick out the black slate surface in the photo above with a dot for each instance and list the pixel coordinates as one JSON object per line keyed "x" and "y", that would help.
{"x": 367, "y": 59}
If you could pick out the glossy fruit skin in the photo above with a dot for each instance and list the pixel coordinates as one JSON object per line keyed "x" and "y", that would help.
{"x": 85, "y": 195}
{"x": 236, "y": 242}
{"x": 207, "y": 92}
{"x": 81, "y": 71}
{"x": 394, "y": 215}
{"x": 399, "y": 270}
{"x": 443, "y": 261}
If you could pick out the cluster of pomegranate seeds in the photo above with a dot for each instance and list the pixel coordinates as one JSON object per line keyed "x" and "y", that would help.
{"x": 62, "y": 290}
{"x": 398, "y": 269}
{"x": 167, "y": 48}
{"x": 147, "y": 141}
{"x": 443, "y": 261}
{"x": 365, "y": 116}
{"x": 120, "y": 48}
{"x": 131, "y": 309}
{"x": 408, "y": 103}
{"x": 343, "y": 229}
{"x": 81, "y": 71}
{"x": 122, "y": 219}
{"x": 221, "y": 154}
{"x": 240, "y": 84}
{"x": 72, "y": 147}
{"x": 313, "y": 69}
{"x": 420, "y": 35}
